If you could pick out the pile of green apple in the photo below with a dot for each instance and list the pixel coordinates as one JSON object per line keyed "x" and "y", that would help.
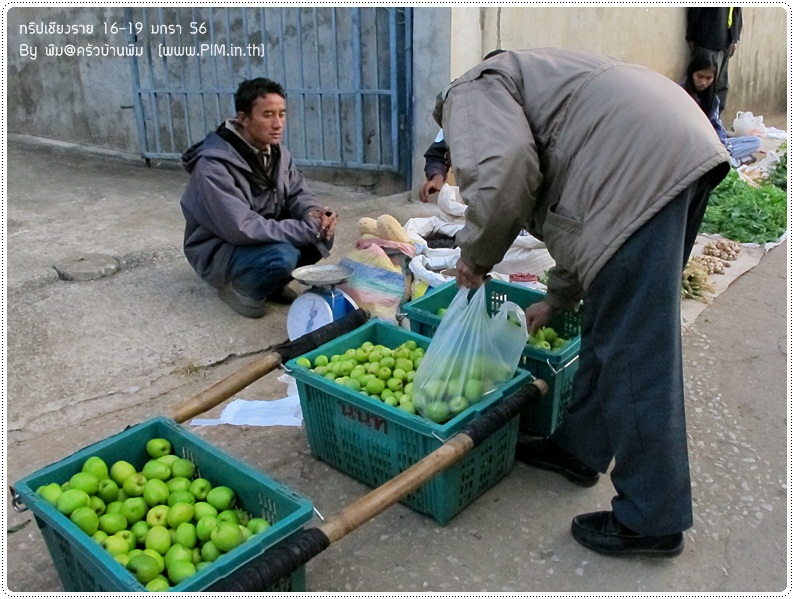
{"x": 162, "y": 523}
{"x": 382, "y": 373}
{"x": 448, "y": 394}
{"x": 547, "y": 338}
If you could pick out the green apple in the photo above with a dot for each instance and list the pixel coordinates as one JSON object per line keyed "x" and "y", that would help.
{"x": 107, "y": 490}
{"x": 178, "y": 553}
{"x": 112, "y": 523}
{"x": 86, "y": 520}
{"x": 85, "y": 481}
{"x": 71, "y": 499}
{"x": 183, "y": 468}
{"x": 457, "y": 405}
{"x": 229, "y": 516}
{"x": 473, "y": 390}
{"x": 180, "y": 571}
{"x": 128, "y": 537}
{"x": 99, "y": 536}
{"x": 200, "y": 487}
{"x": 201, "y": 565}
{"x": 205, "y": 527}
{"x": 144, "y": 567}
{"x": 436, "y": 411}
{"x": 159, "y": 558}
{"x": 168, "y": 459}
{"x": 158, "y": 539}
{"x": 157, "y": 516}
{"x": 50, "y": 493}
{"x": 114, "y": 507}
{"x": 155, "y": 492}
{"x": 179, "y": 513}
{"x": 158, "y": 447}
{"x": 209, "y": 552}
{"x": 115, "y": 545}
{"x": 134, "y": 552}
{"x": 257, "y": 525}
{"x": 122, "y": 558}
{"x": 96, "y": 466}
{"x": 155, "y": 469}
{"x": 242, "y": 516}
{"x": 140, "y": 529}
{"x": 134, "y": 510}
{"x": 407, "y": 406}
{"x": 178, "y": 483}
{"x": 158, "y": 585}
{"x": 221, "y": 498}
{"x": 201, "y": 509}
{"x": 247, "y": 534}
{"x": 227, "y": 536}
{"x": 134, "y": 484}
{"x": 181, "y": 497}
{"x": 96, "y": 504}
{"x": 65, "y": 486}
{"x": 121, "y": 470}
{"x": 186, "y": 535}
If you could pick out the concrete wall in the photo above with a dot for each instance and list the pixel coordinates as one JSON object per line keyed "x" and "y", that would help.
{"x": 651, "y": 36}
{"x": 76, "y": 99}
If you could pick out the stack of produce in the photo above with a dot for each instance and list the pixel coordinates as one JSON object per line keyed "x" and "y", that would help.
{"x": 161, "y": 522}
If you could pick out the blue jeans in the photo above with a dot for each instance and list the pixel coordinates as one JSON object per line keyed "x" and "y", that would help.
{"x": 260, "y": 270}
{"x": 628, "y": 393}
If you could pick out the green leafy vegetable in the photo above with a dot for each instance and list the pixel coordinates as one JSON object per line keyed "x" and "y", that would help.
{"x": 778, "y": 176}
{"x": 744, "y": 213}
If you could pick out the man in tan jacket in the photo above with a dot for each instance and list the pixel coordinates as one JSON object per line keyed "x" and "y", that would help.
{"x": 611, "y": 165}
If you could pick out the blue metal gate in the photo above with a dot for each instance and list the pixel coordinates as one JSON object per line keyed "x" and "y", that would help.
{"x": 346, "y": 71}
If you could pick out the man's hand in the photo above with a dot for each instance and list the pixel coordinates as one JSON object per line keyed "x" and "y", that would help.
{"x": 328, "y": 223}
{"x": 469, "y": 277}
{"x": 538, "y": 315}
{"x": 432, "y": 186}
{"x": 732, "y": 49}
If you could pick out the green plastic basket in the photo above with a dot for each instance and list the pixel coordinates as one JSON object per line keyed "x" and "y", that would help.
{"x": 374, "y": 442}
{"x": 84, "y": 566}
{"x": 557, "y": 367}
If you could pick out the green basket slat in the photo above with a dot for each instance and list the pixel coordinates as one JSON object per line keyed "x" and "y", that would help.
{"x": 374, "y": 442}
{"x": 556, "y": 367}
{"x": 82, "y": 564}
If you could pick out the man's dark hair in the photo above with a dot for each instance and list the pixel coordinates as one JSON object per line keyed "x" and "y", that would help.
{"x": 251, "y": 89}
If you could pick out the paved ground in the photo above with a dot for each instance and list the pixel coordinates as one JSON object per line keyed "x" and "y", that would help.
{"x": 85, "y": 359}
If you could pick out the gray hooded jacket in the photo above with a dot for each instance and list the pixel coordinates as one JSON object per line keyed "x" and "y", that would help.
{"x": 579, "y": 149}
{"x": 226, "y": 206}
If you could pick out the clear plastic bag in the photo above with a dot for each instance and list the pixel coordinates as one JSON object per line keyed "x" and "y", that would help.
{"x": 470, "y": 355}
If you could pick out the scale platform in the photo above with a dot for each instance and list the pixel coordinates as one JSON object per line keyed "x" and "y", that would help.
{"x": 322, "y": 303}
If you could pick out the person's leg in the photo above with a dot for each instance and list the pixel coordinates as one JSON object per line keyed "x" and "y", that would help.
{"x": 256, "y": 271}
{"x": 721, "y": 82}
{"x": 628, "y": 393}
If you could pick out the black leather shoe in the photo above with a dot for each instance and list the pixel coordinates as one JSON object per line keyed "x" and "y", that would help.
{"x": 285, "y": 296}
{"x": 542, "y": 453}
{"x": 601, "y": 532}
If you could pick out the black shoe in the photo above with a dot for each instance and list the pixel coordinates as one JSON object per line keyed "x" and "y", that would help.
{"x": 242, "y": 304}
{"x": 542, "y": 453}
{"x": 601, "y": 532}
{"x": 285, "y": 296}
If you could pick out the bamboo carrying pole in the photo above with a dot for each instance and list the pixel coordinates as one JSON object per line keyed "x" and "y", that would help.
{"x": 281, "y": 560}
{"x": 223, "y": 390}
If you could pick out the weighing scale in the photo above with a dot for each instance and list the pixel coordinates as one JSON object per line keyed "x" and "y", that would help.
{"x": 322, "y": 303}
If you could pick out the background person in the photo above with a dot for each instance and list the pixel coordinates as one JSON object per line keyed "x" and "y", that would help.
{"x": 699, "y": 84}
{"x": 715, "y": 29}
{"x": 612, "y": 166}
{"x": 250, "y": 219}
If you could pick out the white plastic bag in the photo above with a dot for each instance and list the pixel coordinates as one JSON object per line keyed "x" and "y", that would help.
{"x": 470, "y": 355}
{"x": 451, "y": 204}
{"x": 746, "y": 123}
